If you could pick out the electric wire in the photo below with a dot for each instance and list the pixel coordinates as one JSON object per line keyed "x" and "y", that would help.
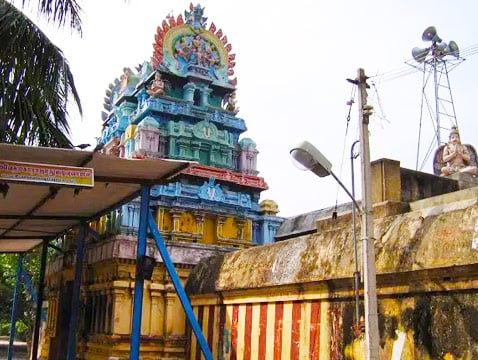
{"x": 410, "y": 69}
{"x": 349, "y": 103}
{"x": 412, "y": 66}
{"x": 382, "y": 115}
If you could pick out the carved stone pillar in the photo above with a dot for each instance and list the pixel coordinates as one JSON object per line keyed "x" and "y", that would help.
{"x": 119, "y": 220}
{"x": 183, "y": 148}
{"x": 97, "y": 311}
{"x": 215, "y": 154}
{"x": 170, "y": 300}
{"x": 91, "y": 327}
{"x": 121, "y": 311}
{"x": 176, "y": 217}
{"x": 225, "y": 157}
{"x": 195, "y": 147}
{"x": 162, "y": 146}
{"x": 255, "y": 233}
{"x": 102, "y": 322}
{"x": 205, "y": 92}
{"x": 240, "y": 228}
{"x": 160, "y": 218}
{"x": 220, "y": 223}
{"x": 146, "y": 319}
{"x": 199, "y": 223}
{"x": 157, "y": 309}
{"x": 108, "y": 311}
{"x": 188, "y": 93}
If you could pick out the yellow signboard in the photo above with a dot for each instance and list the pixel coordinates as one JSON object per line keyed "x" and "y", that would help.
{"x": 48, "y": 174}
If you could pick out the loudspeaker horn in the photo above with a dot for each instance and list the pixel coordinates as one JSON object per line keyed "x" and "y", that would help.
{"x": 440, "y": 50}
{"x": 430, "y": 34}
{"x": 453, "y": 49}
{"x": 442, "y": 46}
{"x": 420, "y": 54}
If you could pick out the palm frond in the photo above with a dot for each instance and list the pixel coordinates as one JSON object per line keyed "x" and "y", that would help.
{"x": 60, "y": 11}
{"x": 35, "y": 83}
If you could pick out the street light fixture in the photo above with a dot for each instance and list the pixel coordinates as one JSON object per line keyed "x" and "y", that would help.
{"x": 310, "y": 158}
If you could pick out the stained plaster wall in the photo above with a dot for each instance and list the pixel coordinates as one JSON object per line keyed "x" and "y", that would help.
{"x": 427, "y": 273}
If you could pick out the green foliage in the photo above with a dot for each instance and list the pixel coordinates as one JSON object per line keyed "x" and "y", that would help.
{"x": 26, "y": 306}
{"x": 21, "y": 330}
{"x": 59, "y": 11}
{"x": 35, "y": 86}
{"x": 35, "y": 78}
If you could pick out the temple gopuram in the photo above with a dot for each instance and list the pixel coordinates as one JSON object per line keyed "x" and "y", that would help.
{"x": 180, "y": 105}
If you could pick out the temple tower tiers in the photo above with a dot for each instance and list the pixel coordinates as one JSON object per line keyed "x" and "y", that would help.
{"x": 181, "y": 104}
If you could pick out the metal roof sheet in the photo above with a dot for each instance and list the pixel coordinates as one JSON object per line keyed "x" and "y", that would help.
{"x": 30, "y": 212}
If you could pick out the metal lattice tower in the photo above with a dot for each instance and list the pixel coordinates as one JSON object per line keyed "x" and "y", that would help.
{"x": 436, "y": 62}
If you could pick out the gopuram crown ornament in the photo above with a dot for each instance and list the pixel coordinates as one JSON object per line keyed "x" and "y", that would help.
{"x": 183, "y": 46}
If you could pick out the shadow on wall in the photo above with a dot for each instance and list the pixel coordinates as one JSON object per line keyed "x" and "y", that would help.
{"x": 203, "y": 279}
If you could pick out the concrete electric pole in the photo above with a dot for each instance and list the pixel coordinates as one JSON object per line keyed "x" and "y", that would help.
{"x": 368, "y": 247}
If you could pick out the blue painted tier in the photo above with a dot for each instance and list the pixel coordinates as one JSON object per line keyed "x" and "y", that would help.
{"x": 175, "y": 107}
{"x": 210, "y": 198}
{"x": 210, "y": 194}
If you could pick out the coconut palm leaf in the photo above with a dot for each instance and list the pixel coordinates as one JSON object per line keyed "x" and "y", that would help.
{"x": 59, "y": 11}
{"x": 35, "y": 82}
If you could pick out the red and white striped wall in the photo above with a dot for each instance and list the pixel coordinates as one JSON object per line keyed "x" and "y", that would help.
{"x": 279, "y": 330}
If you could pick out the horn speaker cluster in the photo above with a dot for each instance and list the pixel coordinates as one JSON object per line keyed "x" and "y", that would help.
{"x": 438, "y": 48}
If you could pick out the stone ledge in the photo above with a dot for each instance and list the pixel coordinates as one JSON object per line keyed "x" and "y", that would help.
{"x": 465, "y": 180}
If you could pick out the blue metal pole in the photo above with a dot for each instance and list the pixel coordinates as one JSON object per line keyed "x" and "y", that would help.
{"x": 29, "y": 286}
{"x": 179, "y": 289}
{"x": 139, "y": 281}
{"x": 13, "y": 322}
{"x": 41, "y": 287}
{"x": 75, "y": 301}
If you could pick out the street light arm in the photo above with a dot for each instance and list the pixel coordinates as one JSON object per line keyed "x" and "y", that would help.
{"x": 310, "y": 158}
{"x": 348, "y": 192}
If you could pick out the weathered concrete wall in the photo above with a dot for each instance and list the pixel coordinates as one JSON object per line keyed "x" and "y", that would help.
{"x": 425, "y": 238}
{"x": 390, "y": 183}
{"x": 427, "y": 279}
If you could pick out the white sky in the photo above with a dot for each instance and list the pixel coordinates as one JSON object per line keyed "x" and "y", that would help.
{"x": 292, "y": 59}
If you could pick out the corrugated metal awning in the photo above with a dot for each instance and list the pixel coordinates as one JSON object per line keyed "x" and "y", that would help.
{"x": 31, "y": 212}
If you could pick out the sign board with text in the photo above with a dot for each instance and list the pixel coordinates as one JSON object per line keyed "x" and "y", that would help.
{"x": 46, "y": 174}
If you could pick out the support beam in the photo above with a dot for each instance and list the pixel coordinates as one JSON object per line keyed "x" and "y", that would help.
{"x": 31, "y": 290}
{"x": 168, "y": 263}
{"x": 139, "y": 281}
{"x": 13, "y": 319}
{"x": 75, "y": 301}
{"x": 41, "y": 286}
